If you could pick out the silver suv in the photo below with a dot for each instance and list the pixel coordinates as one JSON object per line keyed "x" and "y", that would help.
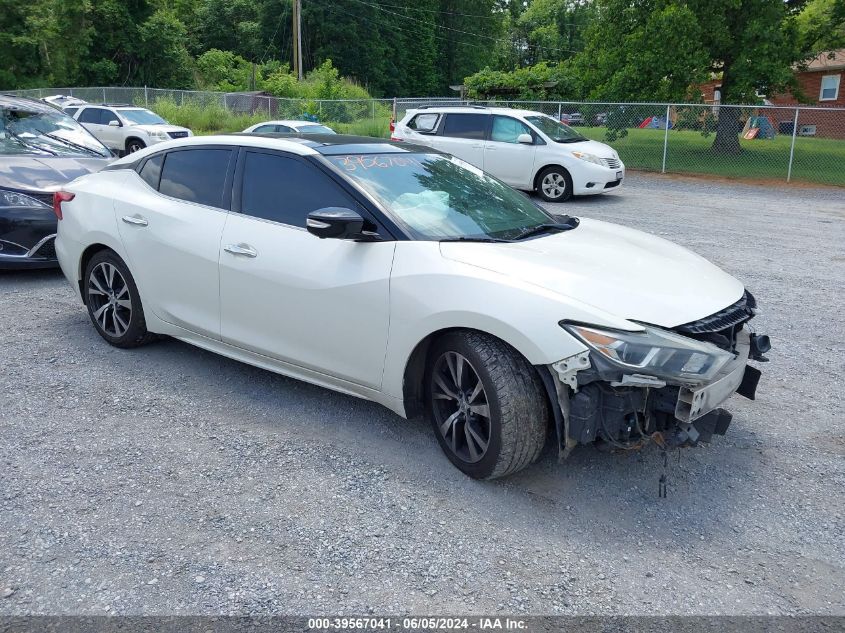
{"x": 127, "y": 128}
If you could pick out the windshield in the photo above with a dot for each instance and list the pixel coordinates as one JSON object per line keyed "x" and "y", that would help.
{"x": 315, "y": 129}
{"x": 555, "y": 130}
{"x": 46, "y": 134}
{"x": 440, "y": 197}
{"x": 142, "y": 117}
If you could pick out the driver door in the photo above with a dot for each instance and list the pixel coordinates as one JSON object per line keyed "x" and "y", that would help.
{"x": 320, "y": 304}
{"x": 505, "y": 157}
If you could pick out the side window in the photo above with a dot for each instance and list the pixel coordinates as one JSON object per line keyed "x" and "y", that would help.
{"x": 151, "y": 171}
{"x": 424, "y": 122}
{"x": 472, "y": 126}
{"x": 70, "y": 111}
{"x": 195, "y": 175}
{"x": 90, "y": 115}
{"x": 507, "y": 130}
{"x": 286, "y": 190}
{"x": 284, "y": 129}
{"x": 265, "y": 129}
{"x": 106, "y": 116}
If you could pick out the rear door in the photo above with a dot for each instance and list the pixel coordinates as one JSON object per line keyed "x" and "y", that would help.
{"x": 320, "y": 304}
{"x": 505, "y": 157}
{"x": 463, "y": 135}
{"x": 171, "y": 225}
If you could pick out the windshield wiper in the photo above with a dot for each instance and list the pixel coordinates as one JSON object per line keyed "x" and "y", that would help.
{"x": 567, "y": 225}
{"x": 29, "y": 144}
{"x": 473, "y": 239}
{"x": 90, "y": 150}
{"x": 577, "y": 139}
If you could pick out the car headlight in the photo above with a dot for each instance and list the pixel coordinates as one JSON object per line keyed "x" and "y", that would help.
{"x": 15, "y": 199}
{"x": 160, "y": 135}
{"x": 590, "y": 158}
{"x": 655, "y": 352}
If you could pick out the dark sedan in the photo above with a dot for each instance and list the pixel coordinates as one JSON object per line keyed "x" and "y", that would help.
{"x": 41, "y": 149}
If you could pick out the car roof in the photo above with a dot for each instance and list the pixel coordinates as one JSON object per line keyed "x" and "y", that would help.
{"x": 333, "y": 144}
{"x": 288, "y": 122}
{"x": 473, "y": 110}
{"x": 14, "y": 102}
{"x": 304, "y": 145}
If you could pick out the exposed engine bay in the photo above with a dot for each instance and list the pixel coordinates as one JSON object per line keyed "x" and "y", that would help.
{"x": 606, "y": 402}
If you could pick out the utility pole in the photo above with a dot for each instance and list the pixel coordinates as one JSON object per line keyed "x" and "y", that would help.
{"x": 297, "y": 39}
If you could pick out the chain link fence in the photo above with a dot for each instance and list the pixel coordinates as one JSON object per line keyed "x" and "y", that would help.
{"x": 765, "y": 143}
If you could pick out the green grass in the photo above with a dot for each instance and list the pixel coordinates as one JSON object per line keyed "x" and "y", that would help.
{"x": 816, "y": 160}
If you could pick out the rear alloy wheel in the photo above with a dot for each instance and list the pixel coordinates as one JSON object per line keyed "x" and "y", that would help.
{"x": 554, "y": 185}
{"x": 113, "y": 302}
{"x": 487, "y": 405}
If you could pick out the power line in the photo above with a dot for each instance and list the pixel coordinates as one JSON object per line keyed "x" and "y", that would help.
{"x": 464, "y": 15}
{"x": 332, "y": 9}
{"x": 272, "y": 37}
{"x": 479, "y": 35}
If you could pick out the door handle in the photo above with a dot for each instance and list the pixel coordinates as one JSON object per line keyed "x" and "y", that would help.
{"x": 137, "y": 220}
{"x": 241, "y": 249}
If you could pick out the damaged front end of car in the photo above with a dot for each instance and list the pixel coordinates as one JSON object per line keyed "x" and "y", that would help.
{"x": 666, "y": 385}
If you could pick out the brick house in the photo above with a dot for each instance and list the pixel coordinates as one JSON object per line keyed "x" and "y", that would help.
{"x": 822, "y": 84}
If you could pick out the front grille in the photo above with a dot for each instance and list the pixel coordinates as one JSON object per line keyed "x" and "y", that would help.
{"x": 613, "y": 163}
{"x": 729, "y": 317}
{"x": 46, "y": 198}
{"x": 47, "y": 250}
{"x": 177, "y": 134}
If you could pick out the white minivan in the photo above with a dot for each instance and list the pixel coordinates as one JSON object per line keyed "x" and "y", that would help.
{"x": 527, "y": 150}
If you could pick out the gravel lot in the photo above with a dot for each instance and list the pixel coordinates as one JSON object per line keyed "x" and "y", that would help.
{"x": 167, "y": 480}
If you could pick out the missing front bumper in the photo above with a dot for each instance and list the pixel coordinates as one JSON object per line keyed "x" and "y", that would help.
{"x": 597, "y": 404}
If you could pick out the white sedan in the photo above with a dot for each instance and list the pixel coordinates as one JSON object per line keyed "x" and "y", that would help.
{"x": 289, "y": 127}
{"x": 399, "y": 274}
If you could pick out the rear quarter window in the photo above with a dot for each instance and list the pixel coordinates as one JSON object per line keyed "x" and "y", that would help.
{"x": 424, "y": 122}
{"x": 151, "y": 171}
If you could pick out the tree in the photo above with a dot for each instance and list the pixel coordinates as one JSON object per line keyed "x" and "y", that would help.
{"x": 554, "y": 29}
{"x": 821, "y": 25}
{"x": 166, "y": 62}
{"x": 655, "y": 50}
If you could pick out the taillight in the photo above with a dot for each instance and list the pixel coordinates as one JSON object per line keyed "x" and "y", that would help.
{"x": 392, "y": 126}
{"x": 58, "y": 198}
{"x": 396, "y": 138}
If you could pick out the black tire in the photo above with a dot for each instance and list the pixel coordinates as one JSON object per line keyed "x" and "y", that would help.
{"x": 113, "y": 302}
{"x": 133, "y": 145}
{"x": 554, "y": 184}
{"x": 517, "y": 410}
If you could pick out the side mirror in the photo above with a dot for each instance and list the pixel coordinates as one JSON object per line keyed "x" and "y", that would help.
{"x": 114, "y": 123}
{"x": 338, "y": 223}
{"x": 527, "y": 139}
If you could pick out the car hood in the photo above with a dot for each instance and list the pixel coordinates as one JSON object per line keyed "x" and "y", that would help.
{"x": 591, "y": 147}
{"x": 46, "y": 173}
{"x": 620, "y": 271}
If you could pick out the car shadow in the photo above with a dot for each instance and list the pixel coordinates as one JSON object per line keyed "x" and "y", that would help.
{"x": 590, "y": 487}
{"x": 32, "y": 275}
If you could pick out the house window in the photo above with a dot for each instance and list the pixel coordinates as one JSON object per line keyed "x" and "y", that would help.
{"x": 830, "y": 88}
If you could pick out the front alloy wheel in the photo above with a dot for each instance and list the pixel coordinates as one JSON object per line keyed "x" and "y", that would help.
{"x": 134, "y": 146}
{"x": 487, "y": 405}
{"x": 461, "y": 410}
